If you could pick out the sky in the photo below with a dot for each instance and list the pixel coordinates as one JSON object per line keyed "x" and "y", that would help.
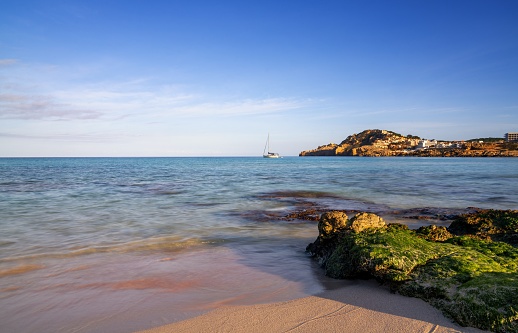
{"x": 213, "y": 78}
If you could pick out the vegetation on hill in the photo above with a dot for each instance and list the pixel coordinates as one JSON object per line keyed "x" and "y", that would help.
{"x": 486, "y": 140}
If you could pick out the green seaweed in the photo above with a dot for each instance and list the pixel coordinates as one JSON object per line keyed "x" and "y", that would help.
{"x": 497, "y": 225}
{"x": 487, "y": 301}
{"x": 473, "y": 281}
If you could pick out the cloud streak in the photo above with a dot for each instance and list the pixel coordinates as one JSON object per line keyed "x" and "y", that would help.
{"x": 244, "y": 107}
{"x": 58, "y": 99}
{"x": 109, "y": 104}
{"x": 7, "y": 62}
{"x": 58, "y": 137}
{"x": 18, "y": 106}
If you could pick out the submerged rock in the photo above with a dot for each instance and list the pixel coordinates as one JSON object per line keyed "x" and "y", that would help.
{"x": 474, "y": 281}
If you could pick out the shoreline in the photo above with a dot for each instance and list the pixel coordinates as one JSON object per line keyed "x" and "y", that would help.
{"x": 121, "y": 247}
{"x": 352, "y": 306}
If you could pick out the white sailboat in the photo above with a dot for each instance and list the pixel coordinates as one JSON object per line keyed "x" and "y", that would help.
{"x": 266, "y": 151}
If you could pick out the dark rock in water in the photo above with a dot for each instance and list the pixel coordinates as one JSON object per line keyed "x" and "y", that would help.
{"x": 474, "y": 281}
{"x": 311, "y": 214}
{"x": 432, "y": 213}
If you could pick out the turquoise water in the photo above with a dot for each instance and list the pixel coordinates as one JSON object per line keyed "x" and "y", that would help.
{"x": 82, "y": 237}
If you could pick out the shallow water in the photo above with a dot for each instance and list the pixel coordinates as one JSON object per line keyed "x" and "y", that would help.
{"x": 120, "y": 244}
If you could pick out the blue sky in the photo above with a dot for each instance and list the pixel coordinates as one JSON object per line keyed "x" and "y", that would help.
{"x": 212, "y": 78}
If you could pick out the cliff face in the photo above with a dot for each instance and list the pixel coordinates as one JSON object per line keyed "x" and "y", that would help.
{"x": 367, "y": 143}
{"x": 386, "y": 143}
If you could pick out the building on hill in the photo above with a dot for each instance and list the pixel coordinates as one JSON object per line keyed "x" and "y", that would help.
{"x": 424, "y": 144}
{"x": 511, "y": 136}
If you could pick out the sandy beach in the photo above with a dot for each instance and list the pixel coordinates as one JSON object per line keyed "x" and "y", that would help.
{"x": 363, "y": 306}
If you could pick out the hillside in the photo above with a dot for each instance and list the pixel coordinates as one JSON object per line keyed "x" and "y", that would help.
{"x": 387, "y": 143}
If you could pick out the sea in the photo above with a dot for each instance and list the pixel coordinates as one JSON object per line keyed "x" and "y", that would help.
{"x": 125, "y": 244}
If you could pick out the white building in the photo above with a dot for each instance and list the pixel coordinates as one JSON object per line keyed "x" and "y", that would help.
{"x": 511, "y": 136}
{"x": 423, "y": 144}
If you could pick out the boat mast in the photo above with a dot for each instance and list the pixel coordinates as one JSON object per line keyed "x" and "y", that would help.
{"x": 267, "y": 145}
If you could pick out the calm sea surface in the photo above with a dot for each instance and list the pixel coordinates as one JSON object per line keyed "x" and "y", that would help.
{"x": 120, "y": 244}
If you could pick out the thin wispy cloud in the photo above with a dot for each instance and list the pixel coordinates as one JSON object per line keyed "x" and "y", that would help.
{"x": 140, "y": 96}
{"x": 23, "y": 96}
{"x": 76, "y": 137}
{"x": 135, "y": 97}
{"x": 17, "y": 106}
{"x": 7, "y": 62}
{"x": 239, "y": 107}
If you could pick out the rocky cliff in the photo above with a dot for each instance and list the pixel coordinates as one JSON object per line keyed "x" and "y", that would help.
{"x": 387, "y": 143}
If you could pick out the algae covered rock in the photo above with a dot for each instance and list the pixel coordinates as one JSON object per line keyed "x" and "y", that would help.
{"x": 332, "y": 224}
{"x": 497, "y": 225}
{"x": 389, "y": 255}
{"x": 473, "y": 281}
{"x": 475, "y": 285}
{"x": 434, "y": 233}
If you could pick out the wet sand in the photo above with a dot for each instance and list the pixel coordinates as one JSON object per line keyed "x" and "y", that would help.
{"x": 362, "y": 306}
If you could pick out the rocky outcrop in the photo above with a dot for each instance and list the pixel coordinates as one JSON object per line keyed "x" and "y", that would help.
{"x": 387, "y": 143}
{"x": 331, "y": 222}
{"x": 472, "y": 280}
{"x": 434, "y": 233}
{"x": 488, "y": 224}
{"x": 367, "y": 143}
{"x": 334, "y": 221}
{"x": 364, "y": 221}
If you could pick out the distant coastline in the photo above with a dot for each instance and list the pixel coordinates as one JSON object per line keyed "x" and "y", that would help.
{"x": 387, "y": 143}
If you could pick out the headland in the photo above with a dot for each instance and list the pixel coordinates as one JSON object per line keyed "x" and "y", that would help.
{"x": 378, "y": 142}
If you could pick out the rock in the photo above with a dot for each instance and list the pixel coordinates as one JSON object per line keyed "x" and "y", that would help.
{"x": 434, "y": 233}
{"x": 367, "y": 143}
{"x": 334, "y": 221}
{"x": 331, "y": 222}
{"x": 489, "y": 224}
{"x": 471, "y": 280}
{"x": 325, "y": 150}
{"x": 333, "y": 225}
{"x": 362, "y": 221}
{"x": 377, "y": 142}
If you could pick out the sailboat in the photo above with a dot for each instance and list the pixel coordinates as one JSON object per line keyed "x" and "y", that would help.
{"x": 266, "y": 151}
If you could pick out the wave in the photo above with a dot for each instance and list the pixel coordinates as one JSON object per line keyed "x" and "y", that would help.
{"x": 156, "y": 244}
{"x": 20, "y": 269}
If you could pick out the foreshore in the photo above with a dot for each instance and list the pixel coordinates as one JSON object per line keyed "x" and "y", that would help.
{"x": 357, "y": 306}
{"x": 364, "y": 305}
